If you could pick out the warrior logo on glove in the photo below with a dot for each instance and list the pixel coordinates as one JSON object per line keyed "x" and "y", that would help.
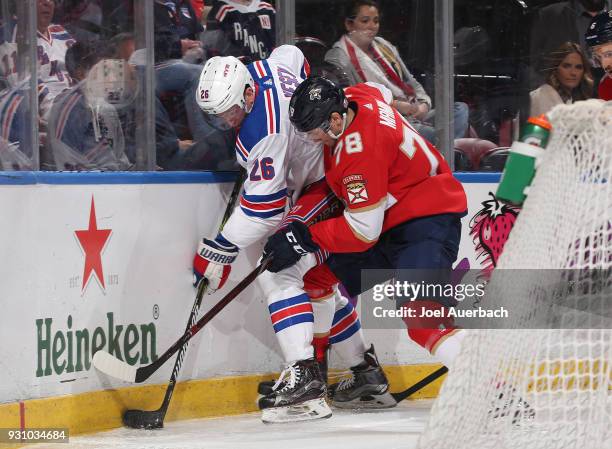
{"x": 213, "y": 261}
{"x": 212, "y": 256}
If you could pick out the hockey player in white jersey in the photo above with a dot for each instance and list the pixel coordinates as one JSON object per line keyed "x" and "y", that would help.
{"x": 279, "y": 163}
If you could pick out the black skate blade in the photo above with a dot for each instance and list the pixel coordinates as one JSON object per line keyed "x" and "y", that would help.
{"x": 144, "y": 419}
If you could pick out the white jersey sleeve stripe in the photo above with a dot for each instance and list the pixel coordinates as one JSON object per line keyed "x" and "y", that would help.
{"x": 259, "y": 68}
{"x": 272, "y": 106}
{"x": 241, "y": 150}
{"x": 261, "y": 213}
{"x": 269, "y": 110}
{"x": 264, "y": 202}
{"x": 267, "y": 198}
{"x": 264, "y": 206}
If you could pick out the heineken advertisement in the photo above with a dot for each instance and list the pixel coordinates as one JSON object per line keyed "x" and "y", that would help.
{"x": 89, "y": 267}
{"x": 69, "y": 349}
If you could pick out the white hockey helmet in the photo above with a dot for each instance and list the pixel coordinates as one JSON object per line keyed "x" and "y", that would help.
{"x": 222, "y": 84}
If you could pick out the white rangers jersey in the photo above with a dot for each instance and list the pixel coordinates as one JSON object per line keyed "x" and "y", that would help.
{"x": 279, "y": 162}
{"x": 51, "y": 51}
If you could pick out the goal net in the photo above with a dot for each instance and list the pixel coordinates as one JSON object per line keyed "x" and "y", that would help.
{"x": 550, "y": 387}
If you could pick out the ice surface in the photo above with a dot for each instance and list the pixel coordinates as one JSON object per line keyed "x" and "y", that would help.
{"x": 396, "y": 428}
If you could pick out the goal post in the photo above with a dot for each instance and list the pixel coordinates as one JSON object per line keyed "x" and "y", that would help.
{"x": 545, "y": 388}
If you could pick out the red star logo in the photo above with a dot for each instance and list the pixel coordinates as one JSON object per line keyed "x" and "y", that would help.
{"x": 92, "y": 242}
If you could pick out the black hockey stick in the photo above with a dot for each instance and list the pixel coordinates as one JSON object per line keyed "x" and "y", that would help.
{"x": 154, "y": 419}
{"x": 400, "y": 396}
{"x": 111, "y": 365}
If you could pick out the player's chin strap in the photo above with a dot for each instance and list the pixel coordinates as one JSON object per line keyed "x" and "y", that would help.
{"x": 337, "y": 136}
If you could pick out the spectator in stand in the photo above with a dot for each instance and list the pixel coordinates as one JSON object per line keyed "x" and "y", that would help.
{"x": 167, "y": 141}
{"x": 561, "y": 22}
{"x": 209, "y": 148}
{"x": 176, "y": 79}
{"x": 198, "y": 7}
{"x": 82, "y": 18}
{"x": 52, "y": 42}
{"x": 178, "y": 18}
{"x": 85, "y": 131}
{"x": 569, "y": 79}
{"x": 241, "y": 28}
{"x": 364, "y": 56}
{"x": 123, "y": 46}
{"x": 15, "y": 135}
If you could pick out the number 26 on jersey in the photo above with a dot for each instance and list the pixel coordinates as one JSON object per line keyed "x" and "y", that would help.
{"x": 262, "y": 169}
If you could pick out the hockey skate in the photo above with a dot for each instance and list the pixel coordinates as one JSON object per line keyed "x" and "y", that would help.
{"x": 266, "y": 387}
{"x": 367, "y": 388}
{"x": 298, "y": 395}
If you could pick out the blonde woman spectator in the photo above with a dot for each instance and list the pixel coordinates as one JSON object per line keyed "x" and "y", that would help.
{"x": 569, "y": 79}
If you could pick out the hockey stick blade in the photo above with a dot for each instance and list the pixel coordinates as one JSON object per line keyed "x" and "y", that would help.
{"x": 114, "y": 367}
{"x": 121, "y": 370}
{"x": 144, "y": 419}
{"x": 400, "y": 396}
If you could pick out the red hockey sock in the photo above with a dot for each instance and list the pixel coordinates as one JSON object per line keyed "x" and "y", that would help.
{"x": 431, "y": 330}
{"x": 320, "y": 345}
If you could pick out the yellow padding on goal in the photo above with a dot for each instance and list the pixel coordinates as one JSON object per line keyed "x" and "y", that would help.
{"x": 566, "y": 375}
{"x": 102, "y": 410}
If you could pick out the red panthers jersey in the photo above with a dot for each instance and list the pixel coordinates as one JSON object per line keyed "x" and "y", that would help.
{"x": 385, "y": 173}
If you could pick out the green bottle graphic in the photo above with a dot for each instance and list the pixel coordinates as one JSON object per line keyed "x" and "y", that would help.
{"x": 520, "y": 167}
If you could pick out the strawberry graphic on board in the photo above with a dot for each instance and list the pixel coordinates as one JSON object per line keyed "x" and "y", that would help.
{"x": 490, "y": 228}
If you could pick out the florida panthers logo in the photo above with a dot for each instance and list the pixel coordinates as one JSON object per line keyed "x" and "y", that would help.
{"x": 315, "y": 94}
{"x": 490, "y": 228}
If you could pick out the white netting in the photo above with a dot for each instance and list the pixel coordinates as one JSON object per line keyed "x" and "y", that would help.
{"x": 545, "y": 389}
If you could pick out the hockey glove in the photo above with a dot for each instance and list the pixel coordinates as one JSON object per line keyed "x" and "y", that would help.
{"x": 213, "y": 261}
{"x": 288, "y": 244}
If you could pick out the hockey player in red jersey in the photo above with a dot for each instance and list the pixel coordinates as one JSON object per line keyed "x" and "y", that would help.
{"x": 599, "y": 38}
{"x": 403, "y": 205}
